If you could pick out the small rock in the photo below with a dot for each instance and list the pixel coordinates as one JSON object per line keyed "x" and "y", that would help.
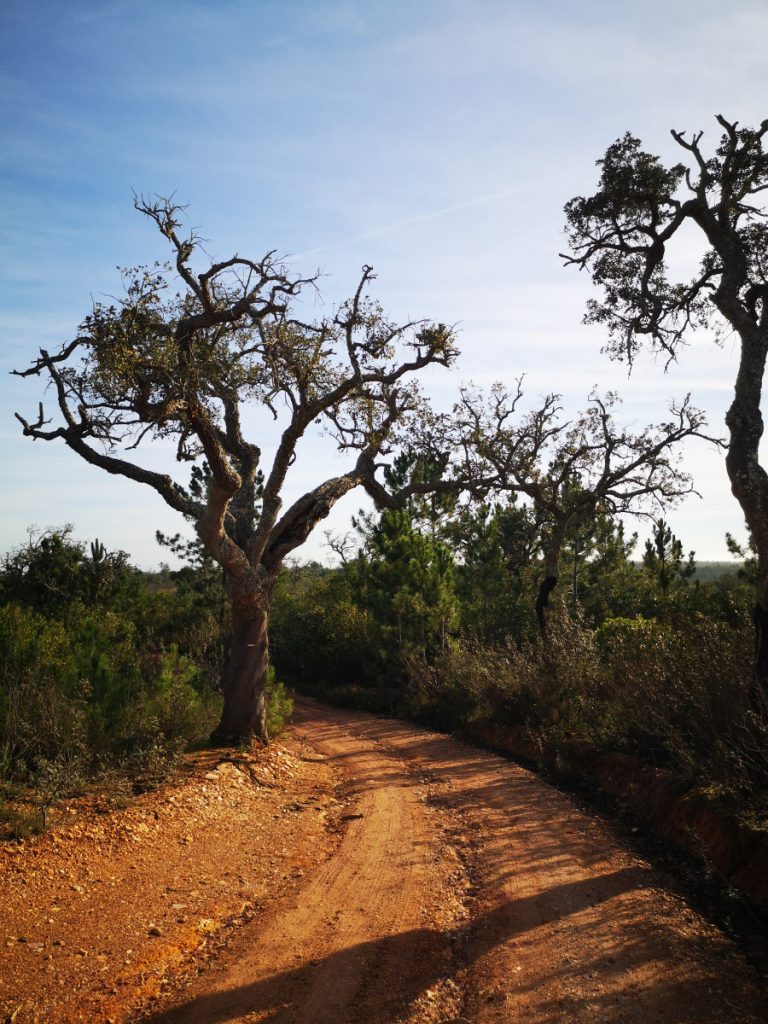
{"x": 154, "y": 930}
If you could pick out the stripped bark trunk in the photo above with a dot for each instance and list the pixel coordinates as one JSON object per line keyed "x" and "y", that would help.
{"x": 244, "y": 715}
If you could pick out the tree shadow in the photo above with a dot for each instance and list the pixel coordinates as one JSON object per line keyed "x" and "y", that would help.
{"x": 375, "y": 981}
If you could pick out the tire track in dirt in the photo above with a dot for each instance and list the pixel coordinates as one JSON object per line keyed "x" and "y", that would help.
{"x": 566, "y": 925}
{"x": 370, "y": 938}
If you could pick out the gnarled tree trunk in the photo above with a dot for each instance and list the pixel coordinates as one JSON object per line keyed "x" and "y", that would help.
{"x": 244, "y": 715}
{"x": 552, "y": 548}
{"x": 749, "y": 484}
{"x": 546, "y": 587}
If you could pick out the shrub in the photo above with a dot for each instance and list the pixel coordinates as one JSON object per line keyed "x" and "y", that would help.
{"x": 318, "y": 634}
{"x": 279, "y": 705}
{"x": 43, "y": 701}
{"x": 178, "y": 705}
{"x": 467, "y": 681}
{"x": 674, "y": 694}
{"x": 84, "y": 692}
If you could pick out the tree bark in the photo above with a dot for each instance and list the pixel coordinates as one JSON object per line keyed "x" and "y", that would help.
{"x": 546, "y": 587}
{"x": 552, "y": 549}
{"x": 749, "y": 484}
{"x": 244, "y": 715}
{"x": 758, "y": 684}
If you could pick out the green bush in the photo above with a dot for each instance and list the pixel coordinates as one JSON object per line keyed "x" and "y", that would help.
{"x": 85, "y": 692}
{"x": 318, "y": 635}
{"x": 279, "y": 705}
{"x": 672, "y": 695}
{"x": 43, "y": 698}
{"x": 466, "y": 681}
{"x": 178, "y": 705}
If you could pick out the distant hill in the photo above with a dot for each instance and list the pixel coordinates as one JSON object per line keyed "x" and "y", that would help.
{"x": 709, "y": 571}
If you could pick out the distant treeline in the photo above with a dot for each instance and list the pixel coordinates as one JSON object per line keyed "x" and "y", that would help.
{"x": 707, "y": 572}
{"x": 430, "y": 615}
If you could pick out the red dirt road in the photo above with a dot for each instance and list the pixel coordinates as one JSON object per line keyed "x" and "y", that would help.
{"x": 437, "y": 884}
{"x": 466, "y": 889}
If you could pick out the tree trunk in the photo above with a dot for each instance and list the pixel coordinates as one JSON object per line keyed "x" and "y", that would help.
{"x": 244, "y": 716}
{"x": 758, "y": 684}
{"x": 552, "y": 549}
{"x": 546, "y": 587}
{"x": 749, "y": 484}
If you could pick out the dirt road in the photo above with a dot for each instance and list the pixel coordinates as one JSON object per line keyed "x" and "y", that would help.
{"x": 437, "y": 883}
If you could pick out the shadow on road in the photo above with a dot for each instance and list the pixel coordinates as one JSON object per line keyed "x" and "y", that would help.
{"x": 564, "y": 929}
{"x": 395, "y": 969}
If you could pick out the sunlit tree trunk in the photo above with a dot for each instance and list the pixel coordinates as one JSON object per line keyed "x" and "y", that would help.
{"x": 244, "y": 715}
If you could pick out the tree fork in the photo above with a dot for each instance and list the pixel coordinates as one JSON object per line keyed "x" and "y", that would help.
{"x": 162, "y": 364}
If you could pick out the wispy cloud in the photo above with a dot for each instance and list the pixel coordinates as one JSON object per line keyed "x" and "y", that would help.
{"x": 442, "y": 138}
{"x": 407, "y": 222}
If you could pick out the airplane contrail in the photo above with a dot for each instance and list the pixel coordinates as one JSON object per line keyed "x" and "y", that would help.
{"x": 406, "y": 222}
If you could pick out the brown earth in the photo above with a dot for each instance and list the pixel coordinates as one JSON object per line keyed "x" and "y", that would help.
{"x": 361, "y": 870}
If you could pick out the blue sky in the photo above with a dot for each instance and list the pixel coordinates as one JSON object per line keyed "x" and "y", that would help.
{"x": 437, "y": 141}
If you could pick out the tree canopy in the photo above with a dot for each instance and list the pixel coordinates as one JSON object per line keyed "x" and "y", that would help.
{"x": 624, "y": 235}
{"x": 193, "y": 346}
{"x": 182, "y": 355}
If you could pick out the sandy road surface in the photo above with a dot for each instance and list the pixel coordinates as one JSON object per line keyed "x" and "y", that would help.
{"x": 465, "y": 889}
{"x": 361, "y": 871}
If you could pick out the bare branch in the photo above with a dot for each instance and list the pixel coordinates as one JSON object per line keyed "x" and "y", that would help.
{"x": 157, "y": 364}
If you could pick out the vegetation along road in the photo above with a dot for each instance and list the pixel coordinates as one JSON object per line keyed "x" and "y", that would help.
{"x": 360, "y": 870}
